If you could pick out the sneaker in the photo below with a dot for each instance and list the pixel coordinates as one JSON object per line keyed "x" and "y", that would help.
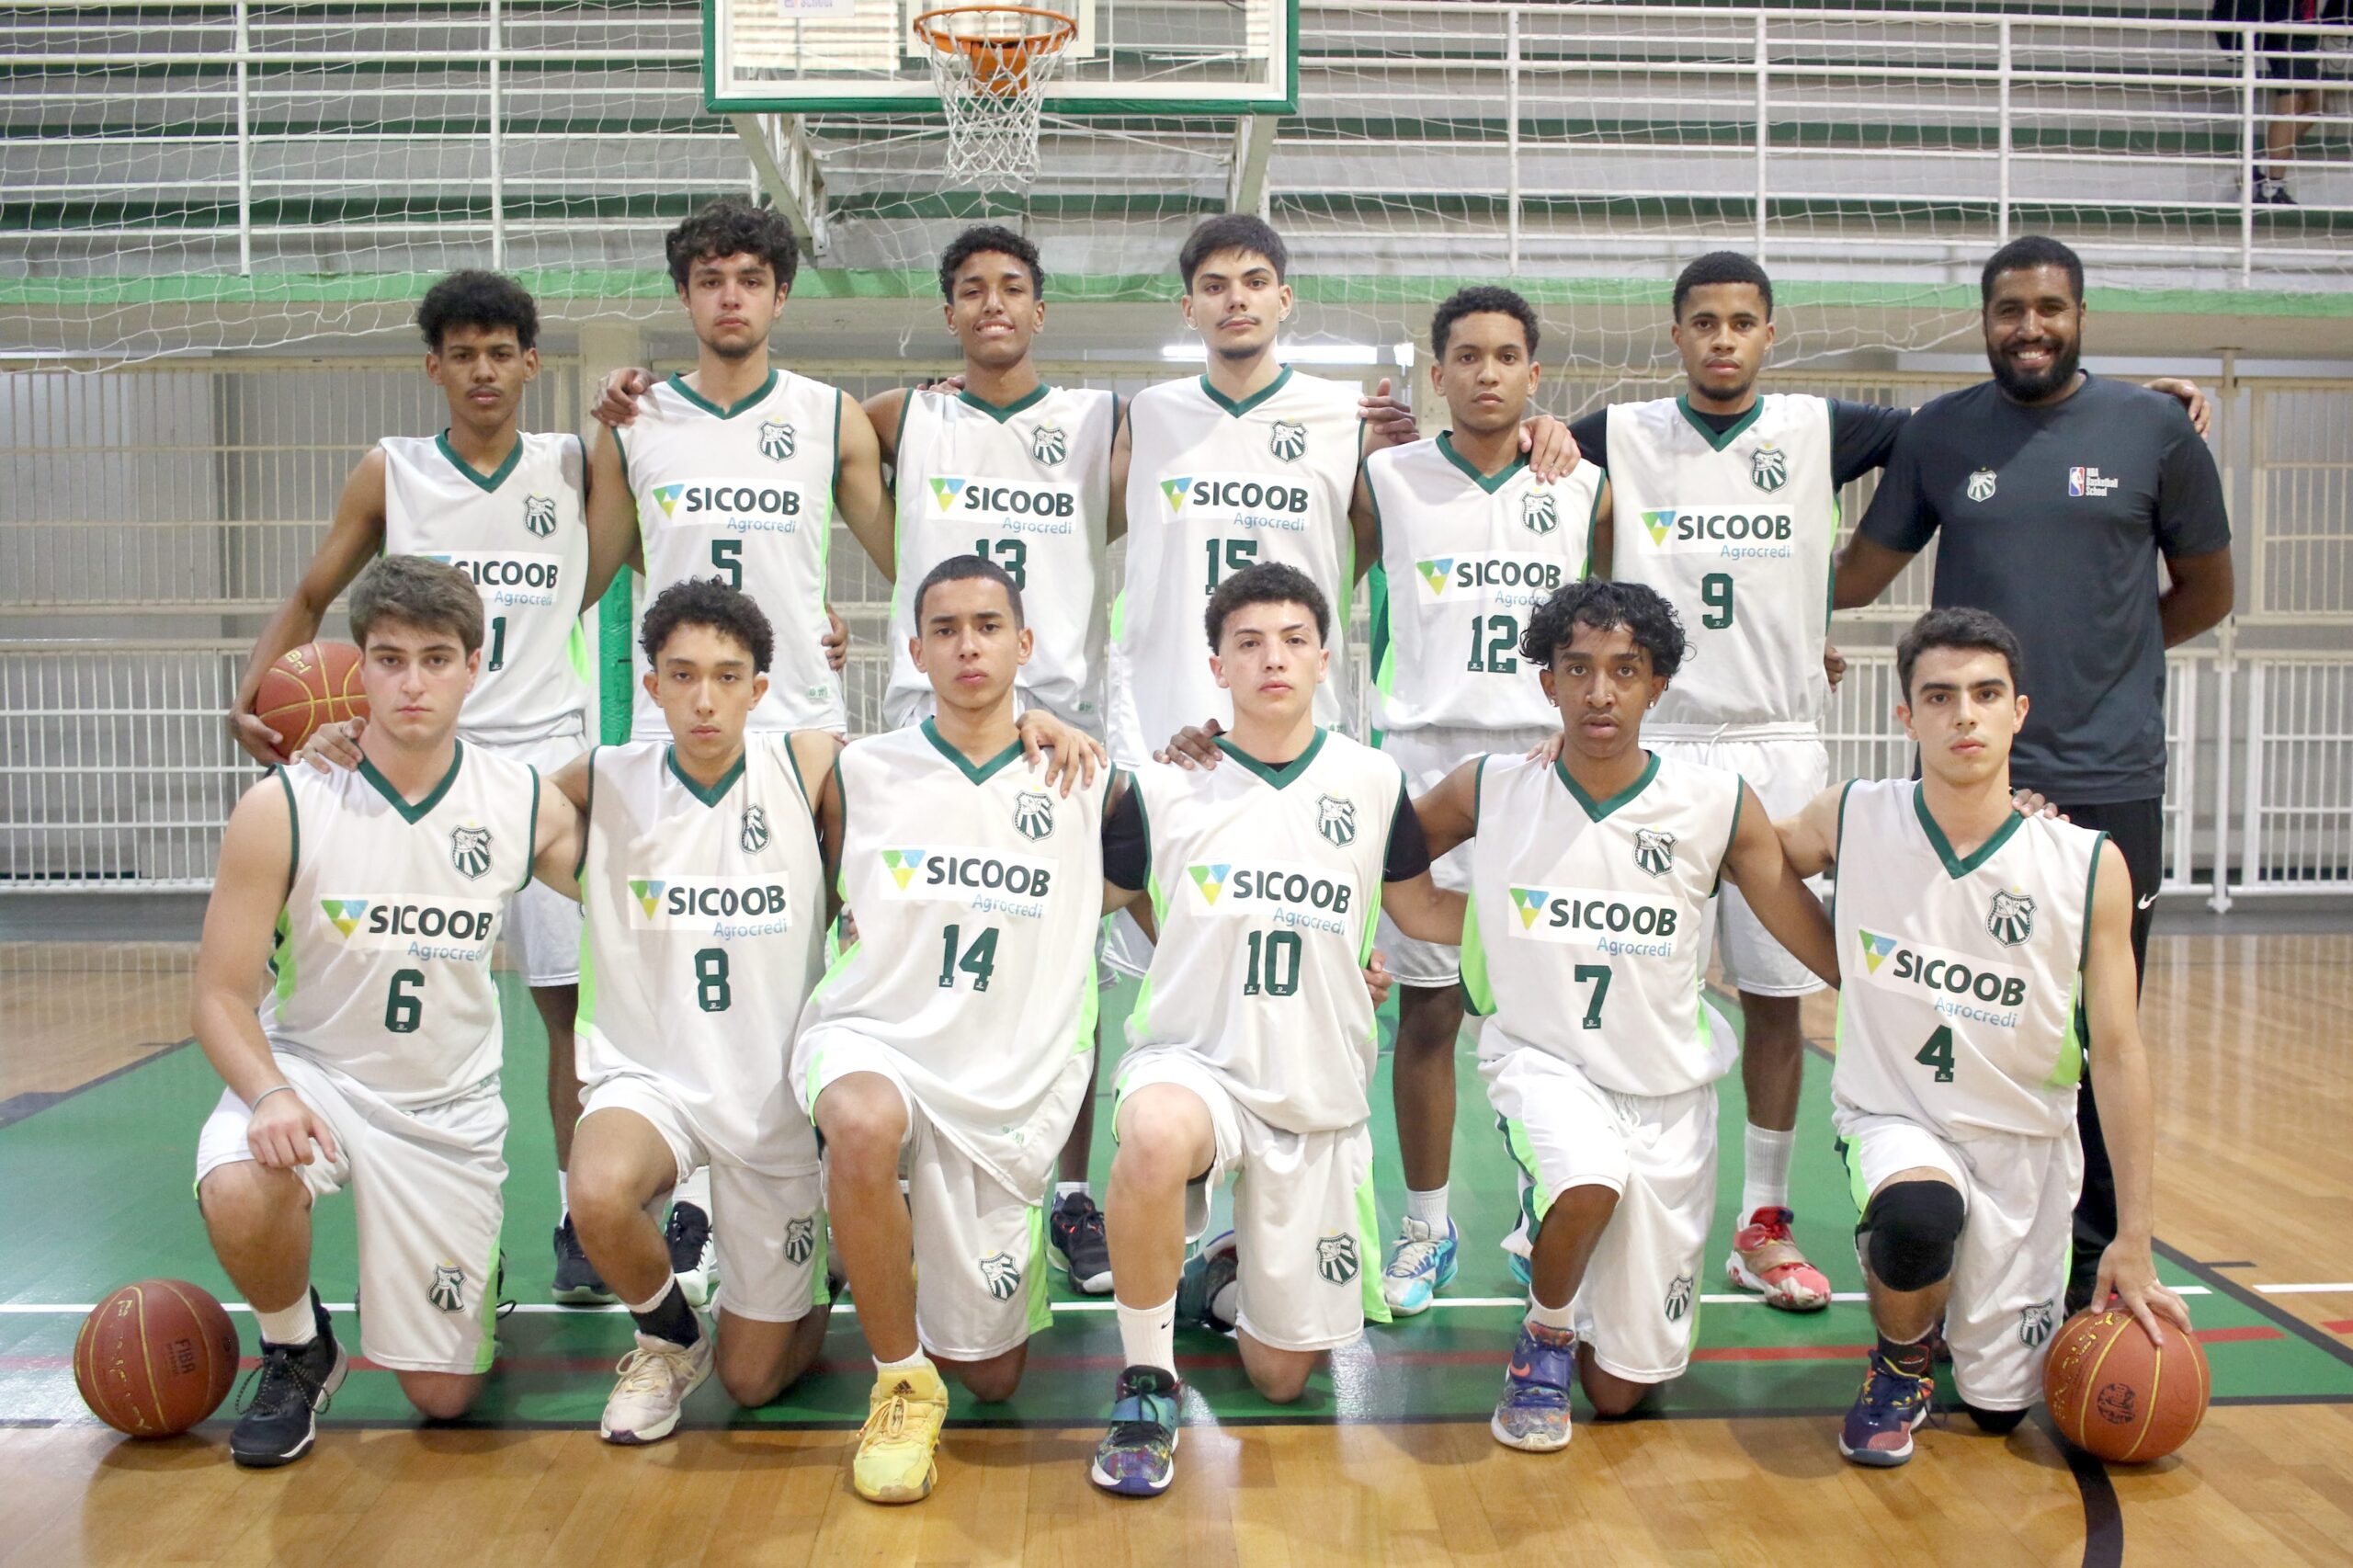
{"x": 1077, "y": 1245}
{"x": 2269, "y": 192}
{"x": 903, "y": 1414}
{"x": 293, "y": 1383}
{"x": 1764, "y": 1260}
{"x": 1420, "y": 1266}
{"x": 1137, "y": 1458}
{"x": 1533, "y": 1414}
{"x": 1892, "y": 1404}
{"x": 1521, "y": 1270}
{"x": 1204, "y": 1283}
{"x": 577, "y": 1283}
{"x": 656, "y": 1379}
{"x": 692, "y": 1257}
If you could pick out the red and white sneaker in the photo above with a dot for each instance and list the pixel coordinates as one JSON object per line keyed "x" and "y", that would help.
{"x": 1764, "y": 1260}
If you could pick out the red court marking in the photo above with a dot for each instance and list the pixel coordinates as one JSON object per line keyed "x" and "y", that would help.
{"x": 2231, "y": 1336}
{"x": 2342, "y": 1326}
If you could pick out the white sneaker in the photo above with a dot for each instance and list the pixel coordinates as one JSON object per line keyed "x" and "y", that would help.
{"x": 694, "y": 1258}
{"x": 656, "y": 1377}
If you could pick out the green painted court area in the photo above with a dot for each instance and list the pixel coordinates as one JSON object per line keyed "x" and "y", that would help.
{"x": 100, "y": 1194}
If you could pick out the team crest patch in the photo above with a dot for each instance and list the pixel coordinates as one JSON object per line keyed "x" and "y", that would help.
{"x": 1287, "y": 439}
{"x": 1336, "y": 819}
{"x": 902, "y": 865}
{"x": 447, "y": 1291}
{"x": 800, "y": 1238}
{"x": 755, "y": 836}
{"x": 1336, "y": 1259}
{"x": 1768, "y": 468}
{"x": 1678, "y": 1298}
{"x": 2012, "y": 918}
{"x": 1980, "y": 484}
{"x": 1539, "y": 513}
{"x": 777, "y": 441}
{"x": 470, "y": 850}
{"x": 1048, "y": 444}
{"x": 344, "y": 914}
{"x": 539, "y": 515}
{"x": 1210, "y": 880}
{"x": 1001, "y": 1275}
{"x": 2035, "y": 1323}
{"x": 1654, "y": 851}
{"x": 648, "y": 893}
{"x": 1033, "y": 814}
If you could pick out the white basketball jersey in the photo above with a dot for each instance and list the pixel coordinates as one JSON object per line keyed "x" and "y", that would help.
{"x": 1464, "y": 562}
{"x": 1583, "y": 937}
{"x": 381, "y": 968}
{"x": 1960, "y": 975}
{"x": 1214, "y": 486}
{"x": 1266, "y": 884}
{"x": 977, "y": 892}
{"x": 1737, "y": 531}
{"x": 745, "y": 494}
{"x": 705, "y": 930}
{"x": 1028, "y": 486}
{"x": 522, "y": 535}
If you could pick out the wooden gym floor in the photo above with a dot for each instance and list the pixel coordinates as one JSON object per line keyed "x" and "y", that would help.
{"x": 1387, "y": 1460}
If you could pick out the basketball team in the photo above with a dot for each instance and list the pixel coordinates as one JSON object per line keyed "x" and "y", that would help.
{"x": 826, "y": 1015}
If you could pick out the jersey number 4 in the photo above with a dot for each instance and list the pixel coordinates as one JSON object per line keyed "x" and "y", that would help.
{"x": 1938, "y": 1054}
{"x": 979, "y": 961}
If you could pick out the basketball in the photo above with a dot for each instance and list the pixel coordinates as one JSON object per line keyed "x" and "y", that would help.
{"x": 2120, "y": 1398}
{"x": 310, "y": 686}
{"x": 154, "y": 1358}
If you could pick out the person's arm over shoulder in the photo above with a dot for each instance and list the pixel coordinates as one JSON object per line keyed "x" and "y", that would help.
{"x": 1898, "y": 526}
{"x": 1592, "y": 433}
{"x": 1862, "y": 438}
{"x": 1127, "y": 843}
{"x": 1809, "y": 839}
{"x": 354, "y": 538}
{"x": 556, "y": 838}
{"x": 1756, "y": 864}
{"x": 1409, "y": 896}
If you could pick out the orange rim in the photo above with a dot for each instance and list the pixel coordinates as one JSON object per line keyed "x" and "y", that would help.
{"x": 1052, "y": 38}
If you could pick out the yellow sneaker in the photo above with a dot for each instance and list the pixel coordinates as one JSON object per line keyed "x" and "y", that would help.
{"x": 905, "y": 1413}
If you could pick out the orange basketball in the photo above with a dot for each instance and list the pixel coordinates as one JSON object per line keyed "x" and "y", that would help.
{"x": 154, "y": 1358}
{"x": 310, "y": 686}
{"x": 2120, "y": 1398}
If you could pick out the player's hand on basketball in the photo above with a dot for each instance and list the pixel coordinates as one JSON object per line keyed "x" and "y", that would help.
{"x": 259, "y": 741}
{"x": 1377, "y": 978}
{"x": 1547, "y": 752}
{"x": 1834, "y": 664}
{"x": 616, "y": 396}
{"x": 333, "y": 745}
{"x": 1192, "y": 747}
{"x": 283, "y": 1128}
{"x": 835, "y": 641}
{"x": 1072, "y": 756}
{"x": 2129, "y": 1274}
{"x": 2193, "y": 398}
{"x": 2030, "y": 803}
{"x": 1390, "y": 421}
{"x": 1551, "y": 450}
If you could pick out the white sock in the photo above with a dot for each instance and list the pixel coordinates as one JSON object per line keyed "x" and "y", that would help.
{"x": 1764, "y": 1169}
{"x": 296, "y": 1324}
{"x": 562, "y": 1198}
{"x": 1148, "y": 1335}
{"x": 1429, "y": 1208}
{"x": 1064, "y": 1188}
{"x": 1554, "y": 1318}
{"x": 917, "y": 1360}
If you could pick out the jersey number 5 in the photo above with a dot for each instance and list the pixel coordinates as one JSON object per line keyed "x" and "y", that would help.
{"x": 727, "y": 554}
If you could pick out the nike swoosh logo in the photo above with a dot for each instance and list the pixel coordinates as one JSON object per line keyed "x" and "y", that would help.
{"x": 2148, "y": 901}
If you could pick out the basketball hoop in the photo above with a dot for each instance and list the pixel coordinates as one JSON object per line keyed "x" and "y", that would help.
{"x": 990, "y": 66}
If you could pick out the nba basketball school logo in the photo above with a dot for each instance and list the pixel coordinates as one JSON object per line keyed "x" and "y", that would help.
{"x": 447, "y": 1291}
{"x": 1033, "y": 815}
{"x": 1336, "y": 820}
{"x": 1980, "y": 484}
{"x": 1538, "y": 513}
{"x": 776, "y": 440}
{"x": 2012, "y": 919}
{"x": 1336, "y": 1259}
{"x": 755, "y": 836}
{"x": 1001, "y": 1275}
{"x": 470, "y": 850}
{"x": 539, "y": 515}
{"x": 2034, "y": 1324}
{"x": 1654, "y": 851}
{"x": 800, "y": 1238}
{"x": 1678, "y": 1298}
{"x": 1287, "y": 439}
{"x": 1048, "y": 444}
{"x": 1769, "y": 467}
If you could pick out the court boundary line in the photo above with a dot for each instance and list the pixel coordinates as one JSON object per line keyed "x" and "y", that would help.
{"x": 2103, "y": 1512}
{"x": 16, "y": 1108}
{"x": 2221, "y": 1285}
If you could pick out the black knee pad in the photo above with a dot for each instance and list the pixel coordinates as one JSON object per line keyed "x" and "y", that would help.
{"x": 2000, "y": 1422}
{"x": 1909, "y": 1232}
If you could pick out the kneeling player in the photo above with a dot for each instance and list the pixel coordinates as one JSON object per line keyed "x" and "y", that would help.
{"x": 1967, "y": 933}
{"x": 1591, "y": 877}
{"x": 373, "y": 1063}
{"x": 1253, "y": 1043}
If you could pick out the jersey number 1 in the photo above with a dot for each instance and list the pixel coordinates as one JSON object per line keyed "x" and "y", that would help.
{"x": 1495, "y": 639}
{"x": 979, "y": 961}
{"x": 1012, "y": 554}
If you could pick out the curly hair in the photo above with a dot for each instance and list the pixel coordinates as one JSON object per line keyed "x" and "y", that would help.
{"x": 731, "y": 226}
{"x": 1481, "y": 300}
{"x": 1599, "y": 605}
{"x": 476, "y": 297}
{"x": 1267, "y": 582}
{"x": 708, "y": 601}
{"x": 984, "y": 238}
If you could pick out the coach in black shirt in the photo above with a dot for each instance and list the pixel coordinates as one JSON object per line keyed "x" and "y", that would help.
{"x": 2056, "y": 491}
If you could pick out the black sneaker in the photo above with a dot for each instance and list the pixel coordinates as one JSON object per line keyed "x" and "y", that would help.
{"x": 2269, "y": 192}
{"x": 1077, "y": 1245}
{"x": 293, "y": 1383}
{"x": 692, "y": 1257}
{"x": 576, "y": 1279}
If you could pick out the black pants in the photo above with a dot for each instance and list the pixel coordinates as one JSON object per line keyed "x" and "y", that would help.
{"x": 2137, "y": 828}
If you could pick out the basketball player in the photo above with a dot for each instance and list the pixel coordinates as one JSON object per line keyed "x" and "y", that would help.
{"x": 373, "y": 1063}
{"x": 506, "y": 506}
{"x": 1253, "y": 1044}
{"x": 1967, "y": 932}
{"x": 1591, "y": 877}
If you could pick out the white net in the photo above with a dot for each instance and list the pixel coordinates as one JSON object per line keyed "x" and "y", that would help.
{"x": 990, "y": 66}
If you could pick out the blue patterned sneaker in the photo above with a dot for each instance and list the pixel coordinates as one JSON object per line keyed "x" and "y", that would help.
{"x": 1892, "y": 1404}
{"x": 1137, "y": 1458}
{"x": 1205, "y": 1280}
{"x": 1520, "y": 1270}
{"x": 1533, "y": 1414}
{"x": 1420, "y": 1266}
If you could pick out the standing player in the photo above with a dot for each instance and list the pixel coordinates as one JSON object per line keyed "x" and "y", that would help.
{"x": 1967, "y": 933}
{"x": 506, "y": 507}
{"x": 373, "y": 1063}
{"x": 1591, "y": 877}
{"x": 1253, "y": 1043}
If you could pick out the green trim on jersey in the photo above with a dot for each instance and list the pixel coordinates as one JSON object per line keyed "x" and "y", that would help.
{"x": 1247, "y": 403}
{"x": 1718, "y": 442}
{"x": 1040, "y": 1272}
{"x": 1471, "y": 471}
{"x": 1956, "y": 866}
{"x": 293, "y": 831}
{"x": 1731, "y": 838}
{"x": 1385, "y": 652}
{"x": 2091, "y": 886}
{"x": 978, "y": 775}
{"x": 1376, "y": 1305}
{"x": 1592, "y": 521}
{"x": 841, "y": 876}
{"x": 739, "y": 405}
{"x": 586, "y": 817}
{"x": 1478, "y": 989}
{"x": 487, "y": 1306}
{"x": 1003, "y": 412}
{"x": 1852, "y": 1158}
{"x": 716, "y": 792}
{"x": 423, "y": 809}
{"x": 281, "y": 962}
{"x": 1534, "y": 1201}
{"x": 487, "y": 483}
{"x": 531, "y": 833}
{"x": 2067, "y": 1068}
{"x": 821, "y": 1293}
{"x": 1280, "y": 776}
{"x": 584, "y": 1010}
{"x": 1597, "y": 809}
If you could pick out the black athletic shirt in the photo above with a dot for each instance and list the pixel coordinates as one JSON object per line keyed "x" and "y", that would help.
{"x": 1861, "y": 435}
{"x": 2054, "y": 518}
{"x": 1127, "y": 848}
